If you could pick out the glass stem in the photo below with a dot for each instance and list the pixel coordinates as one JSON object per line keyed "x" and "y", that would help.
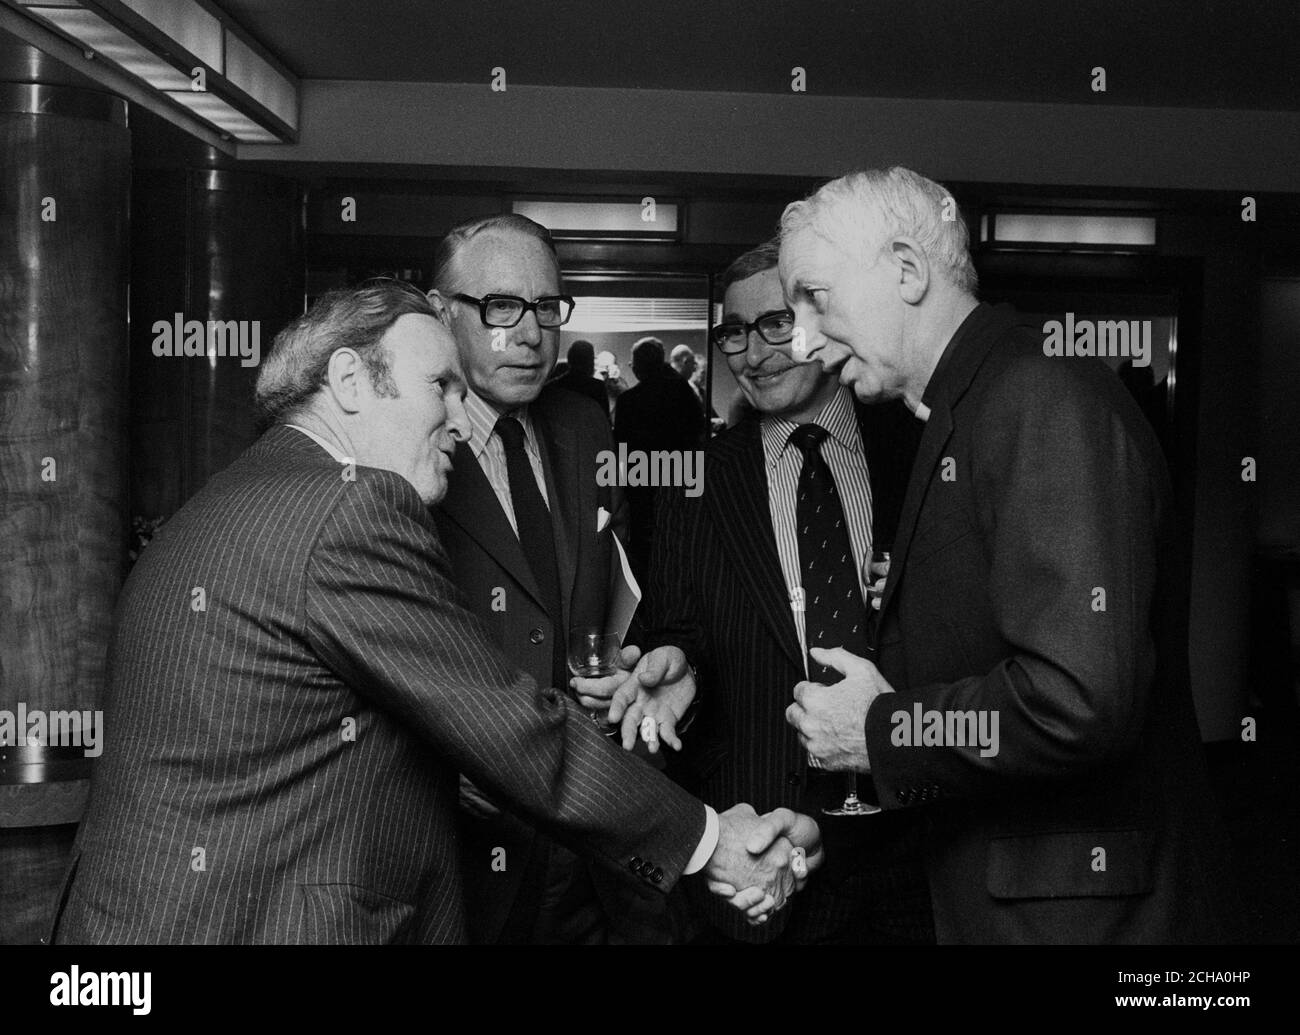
{"x": 851, "y": 785}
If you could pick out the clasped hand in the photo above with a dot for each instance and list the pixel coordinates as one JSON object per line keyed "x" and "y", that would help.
{"x": 751, "y": 866}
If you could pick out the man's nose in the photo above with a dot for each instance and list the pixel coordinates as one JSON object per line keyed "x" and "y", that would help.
{"x": 807, "y": 339}
{"x": 458, "y": 419}
{"x": 528, "y": 331}
{"x": 756, "y": 349}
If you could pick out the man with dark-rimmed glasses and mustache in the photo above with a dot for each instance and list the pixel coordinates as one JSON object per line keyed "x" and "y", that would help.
{"x": 735, "y": 591}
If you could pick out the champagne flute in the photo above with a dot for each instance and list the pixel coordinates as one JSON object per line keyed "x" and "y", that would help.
{"x": 877, "y": 574}
{"x": 593, "y": 654}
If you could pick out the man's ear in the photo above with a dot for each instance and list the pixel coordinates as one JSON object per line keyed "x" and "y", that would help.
{"x": 346, "y": 379}
{"x": 440, "y": 307}
{"x": 913, "y": 269}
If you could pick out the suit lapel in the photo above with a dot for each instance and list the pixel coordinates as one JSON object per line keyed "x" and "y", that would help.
{"x": 570, "y": 494}
{"x": 738, "y": 500}
{"x": 966, "y": 352}
{"x": 473, "y": 505}
{"x": 938, "y": 429}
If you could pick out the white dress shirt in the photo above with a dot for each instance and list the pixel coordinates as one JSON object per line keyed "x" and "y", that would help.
{"x": 490, "y": 451}
{"x": 329, "y": 447}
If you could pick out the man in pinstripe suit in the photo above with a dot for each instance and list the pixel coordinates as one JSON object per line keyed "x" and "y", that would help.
{"x": 294, "y": 685}
{"x": 727, "y": 594}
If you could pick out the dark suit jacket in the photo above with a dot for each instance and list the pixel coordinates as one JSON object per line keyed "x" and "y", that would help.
{"x": 659, "y": 413}
{"x": 486, "y": 557}
{"x": 1056, "y": 487}
{"x": 280, "y": 766}
{"x": 589, "y": 387}
{"x": 716, "y": 590}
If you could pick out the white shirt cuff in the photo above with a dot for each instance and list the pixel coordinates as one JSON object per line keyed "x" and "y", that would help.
{"x": 708, "y": 843}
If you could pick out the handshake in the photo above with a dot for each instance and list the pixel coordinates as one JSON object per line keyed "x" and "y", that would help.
{"x": 760, "y": 861}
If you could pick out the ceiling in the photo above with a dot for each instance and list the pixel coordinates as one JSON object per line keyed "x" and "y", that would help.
{"x": 1236, "y": 54}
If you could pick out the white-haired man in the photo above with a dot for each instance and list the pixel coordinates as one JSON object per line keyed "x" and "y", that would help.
{"x": 1030, "y": 687}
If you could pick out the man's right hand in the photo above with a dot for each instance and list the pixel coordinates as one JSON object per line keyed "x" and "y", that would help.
{"x": 751, "y": 864}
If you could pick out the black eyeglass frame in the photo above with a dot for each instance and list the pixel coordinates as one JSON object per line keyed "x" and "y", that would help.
{"x": 526, "y": 307}
{"x": 753, "y": 325}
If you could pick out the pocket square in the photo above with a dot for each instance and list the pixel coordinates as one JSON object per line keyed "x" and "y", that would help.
{"x": 602, "y": 519}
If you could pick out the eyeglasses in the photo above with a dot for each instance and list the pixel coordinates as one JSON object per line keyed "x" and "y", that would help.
{"x": 508, "y": 310}
{"x": 776, "y": 327}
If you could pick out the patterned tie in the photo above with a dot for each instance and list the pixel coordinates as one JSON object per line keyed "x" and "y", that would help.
{"x": 834, "y": 614}
{"x": 536, "y": 536}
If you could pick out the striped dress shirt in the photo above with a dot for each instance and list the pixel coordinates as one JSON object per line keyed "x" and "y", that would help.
{"x": 844, "y": 454}
{"x": 490, "y": 451}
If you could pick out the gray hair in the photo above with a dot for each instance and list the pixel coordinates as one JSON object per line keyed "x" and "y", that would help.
{"x": 753, "y": 262}
{"x": 349, "y": 318}
{"x": 444, "y": 260}
{"x": 868, "y": 207}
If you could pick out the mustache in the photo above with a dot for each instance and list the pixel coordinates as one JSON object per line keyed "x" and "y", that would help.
{"x": 772, "y": 368}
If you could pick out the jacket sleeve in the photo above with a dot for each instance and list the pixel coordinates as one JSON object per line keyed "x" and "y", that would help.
{"x": 382, "y": 613}
{"x": 670, "y": 605}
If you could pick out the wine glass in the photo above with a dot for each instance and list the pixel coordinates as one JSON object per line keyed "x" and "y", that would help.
{"x": 593, "y": 654}
{"x": 877, "y": 574}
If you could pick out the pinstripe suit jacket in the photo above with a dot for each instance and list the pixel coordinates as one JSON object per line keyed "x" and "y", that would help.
{"x": 281, "y": 749}
{"x": 716, "y": 590}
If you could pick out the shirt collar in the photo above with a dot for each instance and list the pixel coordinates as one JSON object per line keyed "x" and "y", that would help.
{"x": 483, "y": 421}
{"x": 837, "y": 417}
{"x": 964, "y": 330}
{"x": 325, "y": 444}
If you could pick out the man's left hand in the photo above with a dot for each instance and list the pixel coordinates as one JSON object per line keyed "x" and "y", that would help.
{"x": 596, "y": 694}
{"x": 831, "y": 720}
{"x": 661, "y": 688}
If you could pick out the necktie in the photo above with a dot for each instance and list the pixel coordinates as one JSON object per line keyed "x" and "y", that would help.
{"x": 536, "y": 536}
{"x": 834, "y": 614}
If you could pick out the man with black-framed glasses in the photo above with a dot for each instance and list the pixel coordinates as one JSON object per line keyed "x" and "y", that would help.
{"x": 531, "y": 535}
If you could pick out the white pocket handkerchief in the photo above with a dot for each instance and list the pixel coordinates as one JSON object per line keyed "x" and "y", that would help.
{"x": 602, "y": 519}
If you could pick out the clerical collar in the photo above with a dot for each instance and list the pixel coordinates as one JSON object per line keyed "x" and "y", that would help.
{"x": 963, "y": 332}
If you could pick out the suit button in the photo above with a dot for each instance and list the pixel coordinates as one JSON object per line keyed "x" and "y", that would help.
{"x": 634, "y": 864}
{"x": 657, "y": 875}
{"x": 537, "y": 636}
{"x": 792, "y": 778}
